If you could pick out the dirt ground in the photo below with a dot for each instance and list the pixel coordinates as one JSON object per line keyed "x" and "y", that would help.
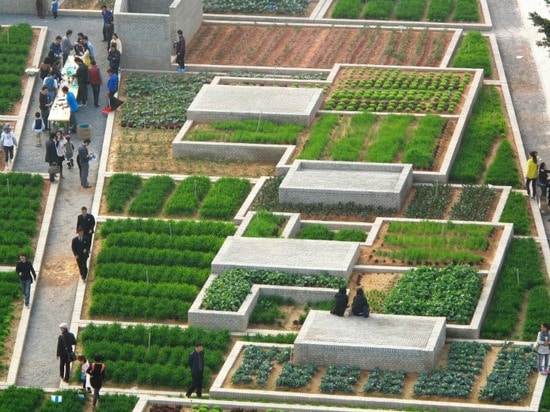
{"x": 283, "y": 46}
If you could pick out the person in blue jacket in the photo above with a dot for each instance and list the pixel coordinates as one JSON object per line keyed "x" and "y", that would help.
{"x": 73, "y": 106}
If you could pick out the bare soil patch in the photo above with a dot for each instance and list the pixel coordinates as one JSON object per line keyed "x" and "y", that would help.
{"x": 283, "y": 46}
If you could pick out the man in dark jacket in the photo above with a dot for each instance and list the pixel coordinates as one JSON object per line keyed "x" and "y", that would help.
{"x": 51, "y": 154}
{"x": 82, "y": 78}
{"x": 340, "y": 302}
{"x": 65, "y": 342}
{"x": 26, "y": 275}
{"x": 81, "y": 251}
{"x": 196, "y": 364}
{"x": 86, "y": 221}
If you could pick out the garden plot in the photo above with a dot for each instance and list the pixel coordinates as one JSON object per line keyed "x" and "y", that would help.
{"x": 466, "y": 372}
{"x": 269, "y": 45}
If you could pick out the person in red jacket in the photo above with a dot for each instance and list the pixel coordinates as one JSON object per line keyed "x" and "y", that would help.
{"x": 95, "y": 81}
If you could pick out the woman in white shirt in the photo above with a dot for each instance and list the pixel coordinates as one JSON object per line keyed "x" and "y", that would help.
{"x": 60, "y": 143}
{"x": 8, "y": 142}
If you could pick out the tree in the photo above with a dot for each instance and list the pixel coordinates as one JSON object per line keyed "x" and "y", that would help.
{"x": 543, "y": 25}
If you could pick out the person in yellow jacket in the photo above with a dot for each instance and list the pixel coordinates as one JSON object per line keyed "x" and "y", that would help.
{"x": 531, "y": 175}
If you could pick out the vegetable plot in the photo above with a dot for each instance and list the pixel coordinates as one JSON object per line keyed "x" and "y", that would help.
{"x": 154, "y": 356}
{"x": 10, "y": 290}
{"x": 153, "y": 269}
{"x": 452, "y": 292}
{"x": 434, "y": 243}
{"x": 258, "y": 363}
{"x": 20, "y": 197}
{"x": 289, "y": 7}
{"x": 394, "y": 90}
{"x": 385, "y": 381}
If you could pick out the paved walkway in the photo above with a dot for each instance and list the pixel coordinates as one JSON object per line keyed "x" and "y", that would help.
{"x": 54, "y": 299}
{"x": 55, "y": 295}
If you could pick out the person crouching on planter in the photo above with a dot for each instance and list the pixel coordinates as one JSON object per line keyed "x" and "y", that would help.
{"x": 340, "y": 302}
{"x": 360, "y": 305}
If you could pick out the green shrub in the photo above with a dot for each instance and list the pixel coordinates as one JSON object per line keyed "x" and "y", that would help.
{"x": 264, "y": 224}
{"x": 439, "y": 10}
{"x": 225, "y": 198}
{"x": 503, "y": 171}
{"x": 411, "y": 10}
{"x": 267, "y": 310}
{"x": 187, "y": 196}
{"x": 379, "y": 9}
{"x": 316, "y": 231}
{"x": 466, "y": 10}
{"x": 516, "y": 212}
{"x": 15, "y": 399}
{"x": 122, "y": 187}
{"x": 521, "y": 271}
{"x": 350, "y": 235}
{"x": 474, "y": 53}
{"x": 71, "y": 402}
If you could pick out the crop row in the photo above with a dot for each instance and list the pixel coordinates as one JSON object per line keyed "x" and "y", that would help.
{"x": 229, "y": 290}
{"x": 9, "y": 291}
{"x": 160, "y": 101}
{"x": 486, "y": 124}
{"x": 15, "y": 43}
{"x": 474, "y": 53}
{"x": 246, "y": 131}
{"x": 20, "y": 206}
{"x": 385, "y": 381}
{"x": 409, "y": 10}
{"x": 153, "y": 274}
{"x": 265, "y": 224}
{"x": 452, "y": 292}
{"x": 429, "y": 201}
{"x": 155, "y": 356}
{"x": 455, "y": 380}
{"x": 258, "y": 363}
{"x": 375, "y": 139}
{"x": 321, "y": 232}
{"x": 503, "y": 170}
{"x": 292, "y": 7}
{"x": 157, "y": 195}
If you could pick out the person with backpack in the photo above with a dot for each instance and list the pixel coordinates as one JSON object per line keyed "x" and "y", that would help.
{"x": 97, "y": 376}
{"x": 38, "y": 127}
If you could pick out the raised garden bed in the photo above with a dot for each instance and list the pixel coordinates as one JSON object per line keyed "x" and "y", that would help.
{"x": 394, "y": 90}
{"x": 260, "y": 45}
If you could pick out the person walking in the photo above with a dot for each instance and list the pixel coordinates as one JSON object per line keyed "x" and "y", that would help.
{"x": 81, "y": 251}
{"x": 95, "y": 81}
{"x": 114, "y": 58}
{"x": 196, "y": 364}
{"x": 26, "y": 274}
{"x": 97, "y": 375}
{"x": 51, "y": 155}
{"x": 179, "y": 45}
{"x": 84, "y": 375}
{"x": 8, "y": 141}
{"x": 83, "y": 160}
{"x": 73, "y": 107}
{"x": 69, "y": 152}
{"x": 38, "y": 127}
{"x": 60, "y": 143}
{"x": 86, "y": 221}
{"x": 55, "y": 8}
{"x": 531, "y": 175}
{"x": 543, "y": 343}
{"x": 65, "y": 342}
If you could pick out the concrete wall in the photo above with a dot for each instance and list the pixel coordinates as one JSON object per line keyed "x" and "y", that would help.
{"x": 21, "y": 7}
{"x": 149, "y": 30}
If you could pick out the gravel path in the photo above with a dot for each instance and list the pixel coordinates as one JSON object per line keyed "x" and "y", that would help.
{"x": 54, "y": 300}
{"x": 55, "y": 296}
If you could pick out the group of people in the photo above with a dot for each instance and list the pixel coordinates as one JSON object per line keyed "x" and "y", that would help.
{"x": 359, "y": 305}
{"x": 92, "y": 375}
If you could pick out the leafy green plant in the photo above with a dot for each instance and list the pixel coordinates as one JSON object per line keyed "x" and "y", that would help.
{"x": 187, "y": 196}
{"x": 503, "y": 171}
{"x": 347, "y": 9}
{"x": 439, "y": 10}
{"x": 452, "y": 292}
{"x": 288, "y": 338}
{"x": 295, "y": 376}
{"x": 521, "y": 271}
{"x": 121, "y": 188}
{"x": 267, "y": 310}
{"x": 257, "y": 364}
{"x": 152, "y": 196}
{"x": 295, "y": 8}
{"x": 224, "y": 199}
{"x": 339, "y": 378}
{"x": 466, "y": 10}
{"x": 385, "y": 381}
{"x": 509, "y": 380}
{"x": 515, "y": 211}
{"x": 379, "y": 9}
{"x": 265, "y": 224}
{"x": 474, "y": 203}
{"x": 429, "y": 201}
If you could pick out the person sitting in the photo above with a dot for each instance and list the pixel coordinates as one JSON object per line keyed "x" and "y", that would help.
{"x": 360, "y": 305}
{"x": 340, "y": 302}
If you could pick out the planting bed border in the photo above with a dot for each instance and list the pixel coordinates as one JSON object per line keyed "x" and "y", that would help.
{"x": 218, "y": 391}
{"x": 258, "y": 152}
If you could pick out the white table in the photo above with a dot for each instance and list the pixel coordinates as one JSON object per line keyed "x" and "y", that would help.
{"x": 58, "y": 111}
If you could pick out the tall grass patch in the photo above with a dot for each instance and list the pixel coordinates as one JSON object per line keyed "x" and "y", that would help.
{"x": 474, "y": 53}
{"x": 516, "y": 212}
{"x": 503, "y": 170}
